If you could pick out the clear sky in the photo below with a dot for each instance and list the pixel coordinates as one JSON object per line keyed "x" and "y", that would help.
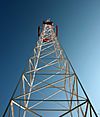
{"x": 79, "y": 34}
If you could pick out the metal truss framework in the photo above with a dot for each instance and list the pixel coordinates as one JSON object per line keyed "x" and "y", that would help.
{"x": 49, "y": 86}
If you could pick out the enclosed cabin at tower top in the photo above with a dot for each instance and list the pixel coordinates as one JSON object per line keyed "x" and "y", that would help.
{"x": 48, "y": 31}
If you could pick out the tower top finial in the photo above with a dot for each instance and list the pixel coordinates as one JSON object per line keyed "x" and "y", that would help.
{"x": 48, "y": 20}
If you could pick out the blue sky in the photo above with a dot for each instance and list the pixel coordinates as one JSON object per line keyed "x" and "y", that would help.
{"x": 79, "y": 34}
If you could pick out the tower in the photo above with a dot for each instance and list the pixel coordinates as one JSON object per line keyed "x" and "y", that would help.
{"x": 49, "y": 86}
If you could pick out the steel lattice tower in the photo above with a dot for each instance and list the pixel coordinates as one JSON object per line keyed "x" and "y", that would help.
{"x": 49, "y": 86}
